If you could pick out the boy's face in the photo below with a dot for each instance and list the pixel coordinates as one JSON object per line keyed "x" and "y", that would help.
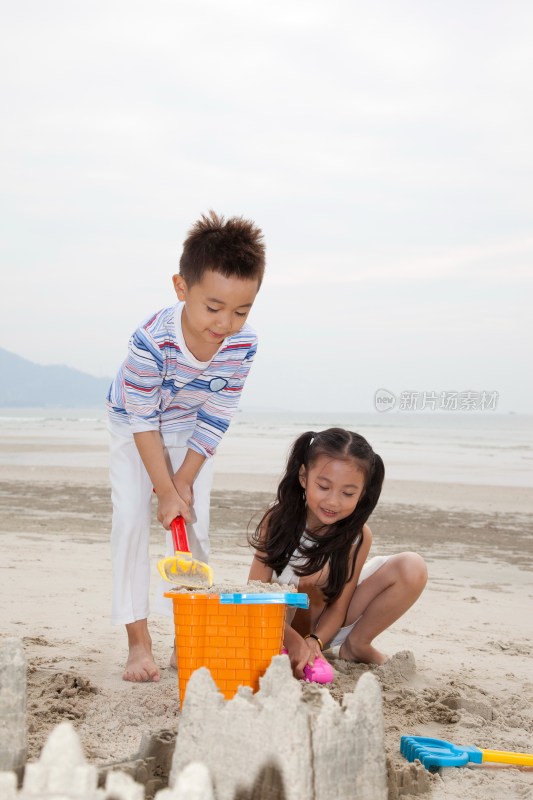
{"x": 214, "y": 308}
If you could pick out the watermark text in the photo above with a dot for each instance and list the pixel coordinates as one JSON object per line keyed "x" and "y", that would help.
{"x": 431, "y": 400}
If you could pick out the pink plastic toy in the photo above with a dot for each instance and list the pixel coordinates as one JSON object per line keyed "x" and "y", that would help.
{"x": 320, "y": 672}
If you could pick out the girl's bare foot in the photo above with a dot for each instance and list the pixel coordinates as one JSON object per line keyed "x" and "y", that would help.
{"x": 173, "y": 662}
{"x": 140, "y": 666}
{"x": 363, "y": 654}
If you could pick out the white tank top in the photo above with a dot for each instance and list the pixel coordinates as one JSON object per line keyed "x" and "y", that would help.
{"x": 296, "y": 560}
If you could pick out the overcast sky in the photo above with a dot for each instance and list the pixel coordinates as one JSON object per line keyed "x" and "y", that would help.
{"x": 385, "y": 148}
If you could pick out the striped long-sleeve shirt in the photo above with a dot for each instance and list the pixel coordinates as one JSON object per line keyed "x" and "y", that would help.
{"x": 161, "y": 386}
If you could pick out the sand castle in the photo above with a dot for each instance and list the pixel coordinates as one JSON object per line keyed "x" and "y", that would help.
{"x": 288, "y": 741}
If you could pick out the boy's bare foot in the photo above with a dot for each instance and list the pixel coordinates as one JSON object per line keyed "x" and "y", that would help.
{"x": 363, "y": 654}
{"x": 140, "y": 666}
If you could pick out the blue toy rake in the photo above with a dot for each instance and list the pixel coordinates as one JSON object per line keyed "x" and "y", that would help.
{"x": 433, "y": 753}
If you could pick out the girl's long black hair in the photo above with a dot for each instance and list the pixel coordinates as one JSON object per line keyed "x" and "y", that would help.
{"x": 280, "y": 531}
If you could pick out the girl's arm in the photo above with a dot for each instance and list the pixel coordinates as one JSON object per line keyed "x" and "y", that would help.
{"x": 298, "y": 649}
{"x": 332, "y": 619}
{"x": 259, "y": 571}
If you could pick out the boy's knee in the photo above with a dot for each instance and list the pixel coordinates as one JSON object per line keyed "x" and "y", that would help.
{"x": 130, "y": 522}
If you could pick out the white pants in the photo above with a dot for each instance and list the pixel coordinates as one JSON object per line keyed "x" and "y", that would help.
{"x": 131, "y": 494}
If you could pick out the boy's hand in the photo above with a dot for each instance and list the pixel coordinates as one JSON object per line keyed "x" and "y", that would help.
{"x": 183, "y": 487}
{"x": 169, "y": 506}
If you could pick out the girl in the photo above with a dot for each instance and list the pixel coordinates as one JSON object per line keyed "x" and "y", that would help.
{"x": 315, "y": 537}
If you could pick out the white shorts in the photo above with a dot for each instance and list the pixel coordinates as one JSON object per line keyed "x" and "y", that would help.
{"x": 131, "y": 494}
{"x": 369, "y": 567}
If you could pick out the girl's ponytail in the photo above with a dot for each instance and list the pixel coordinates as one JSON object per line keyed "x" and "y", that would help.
{"x": 278, "y": 534}
{"x": 374, "y": 484}
{"x": 298, "y": 455}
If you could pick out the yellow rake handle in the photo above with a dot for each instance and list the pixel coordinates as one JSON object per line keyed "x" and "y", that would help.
{"x": 506, "y": 757}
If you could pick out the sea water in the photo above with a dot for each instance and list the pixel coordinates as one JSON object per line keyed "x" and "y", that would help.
{"x": 456, "y": 447}
{"x": 492, "y": 449}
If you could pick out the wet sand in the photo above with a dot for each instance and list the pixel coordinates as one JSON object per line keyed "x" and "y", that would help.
{"x": 466, "y": 676}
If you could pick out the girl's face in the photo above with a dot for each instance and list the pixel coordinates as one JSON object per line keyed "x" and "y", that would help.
{"x": 333, "y": 488}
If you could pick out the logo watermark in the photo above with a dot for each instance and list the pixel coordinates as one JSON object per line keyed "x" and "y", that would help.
{"x": 451, "y": 400}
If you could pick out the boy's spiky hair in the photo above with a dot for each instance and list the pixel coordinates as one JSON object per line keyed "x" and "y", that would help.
{"x": 233, "y": 247}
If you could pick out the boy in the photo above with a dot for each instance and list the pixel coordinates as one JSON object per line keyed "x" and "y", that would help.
{"x": 169, "y": 406}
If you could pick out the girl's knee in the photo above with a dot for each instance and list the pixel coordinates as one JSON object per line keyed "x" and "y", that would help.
{"x": 413, "y": 570}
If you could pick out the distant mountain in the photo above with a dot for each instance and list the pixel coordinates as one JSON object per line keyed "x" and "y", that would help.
{"x": 23, "y": 383}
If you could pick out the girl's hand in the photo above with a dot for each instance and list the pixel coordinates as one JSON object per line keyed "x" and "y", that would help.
{"x": 300, "y": 655}
{"x": 314, "y": 649}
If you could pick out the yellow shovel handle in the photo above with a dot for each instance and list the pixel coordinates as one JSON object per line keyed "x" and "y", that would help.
{"x": 505, "y": 757}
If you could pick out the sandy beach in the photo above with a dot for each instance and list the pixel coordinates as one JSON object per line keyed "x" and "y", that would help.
{"x": 466, "y": 676}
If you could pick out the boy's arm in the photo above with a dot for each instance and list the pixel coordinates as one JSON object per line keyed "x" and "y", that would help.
{"x": 143, "y": 372}
{"x": 170, "y": 504}
{"x": 216, "y": 413}
{"x": 186, "y": 474}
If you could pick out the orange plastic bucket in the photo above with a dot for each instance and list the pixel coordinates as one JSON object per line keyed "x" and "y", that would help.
{"x": 236, "y": 642}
